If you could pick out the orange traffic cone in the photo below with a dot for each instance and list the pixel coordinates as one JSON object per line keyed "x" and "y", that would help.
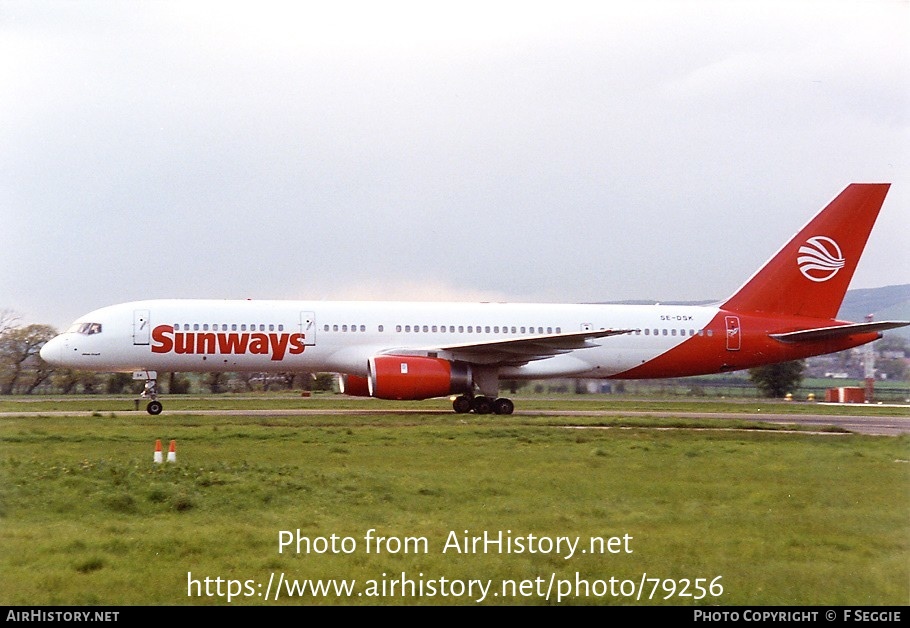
{"x": 158, "y": 451}
{"x": 172, "y": 452}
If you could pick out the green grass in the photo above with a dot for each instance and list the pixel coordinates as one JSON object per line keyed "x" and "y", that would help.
{"x": 774, "y": 518}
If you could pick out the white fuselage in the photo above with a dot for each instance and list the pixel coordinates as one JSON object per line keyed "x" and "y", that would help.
{"x": 341, "y": 336}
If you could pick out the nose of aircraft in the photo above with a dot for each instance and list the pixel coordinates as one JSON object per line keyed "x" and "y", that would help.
{"x": 52, "y": 351}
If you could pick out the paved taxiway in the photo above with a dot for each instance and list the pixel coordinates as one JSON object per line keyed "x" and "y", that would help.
{"x": 856, "y": 423}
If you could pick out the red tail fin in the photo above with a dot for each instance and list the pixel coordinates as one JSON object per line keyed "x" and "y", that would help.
{"x": 810, "y": 274}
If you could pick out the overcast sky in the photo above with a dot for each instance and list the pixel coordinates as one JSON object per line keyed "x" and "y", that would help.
{"x": 520, "y": 151}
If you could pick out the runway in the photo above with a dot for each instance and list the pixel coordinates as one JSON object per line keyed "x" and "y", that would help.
{"x": 858, "y": 424}
{"x": 853, "y": 423}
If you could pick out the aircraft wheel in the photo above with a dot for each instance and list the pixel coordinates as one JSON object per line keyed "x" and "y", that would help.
{"x": 482, "y": 405}
{"x": 503, "y": 406}
{"x": 461, "y": 404}
{"x": 154, "y": 407}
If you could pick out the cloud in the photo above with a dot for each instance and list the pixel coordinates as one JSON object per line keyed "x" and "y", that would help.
{"x": 506, "y": 151}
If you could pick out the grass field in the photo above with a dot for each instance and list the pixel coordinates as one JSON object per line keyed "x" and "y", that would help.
{"x": 388, "y": 504}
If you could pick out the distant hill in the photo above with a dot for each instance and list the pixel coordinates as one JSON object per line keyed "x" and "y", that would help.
{"x": 888, "y": 303}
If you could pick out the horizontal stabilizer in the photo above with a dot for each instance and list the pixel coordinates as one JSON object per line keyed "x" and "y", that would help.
{"x": 838, "y": 331}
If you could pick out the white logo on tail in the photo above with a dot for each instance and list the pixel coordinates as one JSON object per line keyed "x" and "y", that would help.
{"x": 820, "y": 259}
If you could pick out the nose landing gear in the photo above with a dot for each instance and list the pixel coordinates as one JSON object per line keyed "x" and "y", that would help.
{"x": 150, "y": 391}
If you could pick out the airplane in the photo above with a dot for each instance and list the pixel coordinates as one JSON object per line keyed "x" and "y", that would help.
{"x": 422, "y": 350}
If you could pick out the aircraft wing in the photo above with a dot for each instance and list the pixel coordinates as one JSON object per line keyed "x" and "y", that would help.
{"x": 837, "y": 331}
{"x": 513, "y": 351}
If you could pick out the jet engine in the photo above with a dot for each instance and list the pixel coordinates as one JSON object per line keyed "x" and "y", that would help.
{"x": 417, "y": 377}
{"x": 354, "y": 385}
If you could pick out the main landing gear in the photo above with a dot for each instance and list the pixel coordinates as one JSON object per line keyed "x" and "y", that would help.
{"x": 482, "y": 405}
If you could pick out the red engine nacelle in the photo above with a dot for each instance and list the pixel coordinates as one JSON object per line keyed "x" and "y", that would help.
{"x": 354, "y": 385}
{"x": 417, "y": 377}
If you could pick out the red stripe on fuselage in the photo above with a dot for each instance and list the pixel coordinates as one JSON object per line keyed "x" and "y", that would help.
{"x": 709, "y": 353}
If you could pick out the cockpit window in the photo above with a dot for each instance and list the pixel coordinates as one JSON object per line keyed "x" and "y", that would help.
{"x": 88, "y": 329}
